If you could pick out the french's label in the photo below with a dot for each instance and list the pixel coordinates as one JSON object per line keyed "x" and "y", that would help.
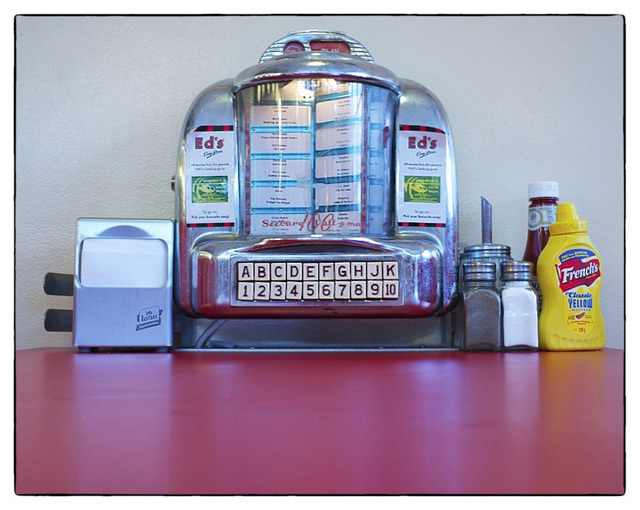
{"x": 577, "y": 268}
{"x": 577, "y": 271}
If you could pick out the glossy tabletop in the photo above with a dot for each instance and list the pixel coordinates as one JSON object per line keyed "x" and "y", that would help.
{"x": 430, "y": 422}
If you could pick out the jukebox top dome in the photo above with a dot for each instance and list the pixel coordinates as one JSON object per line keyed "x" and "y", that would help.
{"x": 318, "y": 64}
{"x": 316, "y": 40}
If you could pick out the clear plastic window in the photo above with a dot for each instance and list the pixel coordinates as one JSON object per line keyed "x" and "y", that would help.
{"x": 317, "y": 158}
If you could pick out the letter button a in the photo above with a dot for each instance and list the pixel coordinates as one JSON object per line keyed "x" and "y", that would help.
{"x": 245, "y": 271}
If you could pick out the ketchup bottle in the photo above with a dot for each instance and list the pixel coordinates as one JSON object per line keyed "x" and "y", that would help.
{"x": 543, "y": 203}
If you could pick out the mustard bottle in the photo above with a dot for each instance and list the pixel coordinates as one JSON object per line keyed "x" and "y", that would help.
{"x": 570, "y": 276}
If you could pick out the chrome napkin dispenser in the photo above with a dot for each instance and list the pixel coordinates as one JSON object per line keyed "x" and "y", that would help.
{"x": 316, "y": 184}
{"x": 123, "y": 284}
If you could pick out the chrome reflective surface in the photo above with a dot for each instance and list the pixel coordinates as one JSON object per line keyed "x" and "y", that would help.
{"x": 207, "y": 255}
{"x": 316, "y": 64}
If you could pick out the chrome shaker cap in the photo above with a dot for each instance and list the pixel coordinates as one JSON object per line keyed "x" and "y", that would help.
{"x": 483, "y": 251}
{"x": 516, "y": 271}
{"x": 478, "y": 271}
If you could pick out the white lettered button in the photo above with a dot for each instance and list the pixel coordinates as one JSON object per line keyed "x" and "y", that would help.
{"x": 245, "y": 271}
{"x": 343, "y": 270}
{"x": 261, "y": 271}
{"x": 358, "y": 270}
{"x": 326, "y": 270}
{"x": 310, "y": 270}
{"x": 279, "y": 271}
{"x": 294, "y": 270}
{"x": 390, "y": 270}
{"x": 374, "y": 270}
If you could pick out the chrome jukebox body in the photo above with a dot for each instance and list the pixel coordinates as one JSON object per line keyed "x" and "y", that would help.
{"x": 315, "y": 184}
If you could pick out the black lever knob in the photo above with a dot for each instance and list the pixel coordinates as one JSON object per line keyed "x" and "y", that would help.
{"x": 58, "y": 320}
{"x": 57, "y": 284}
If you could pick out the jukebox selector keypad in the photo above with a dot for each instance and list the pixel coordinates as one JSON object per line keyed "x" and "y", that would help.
{"x": 318, "y": 281}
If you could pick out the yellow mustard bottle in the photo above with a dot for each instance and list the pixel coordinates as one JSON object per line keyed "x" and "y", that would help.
{"x": 570, "y": 276}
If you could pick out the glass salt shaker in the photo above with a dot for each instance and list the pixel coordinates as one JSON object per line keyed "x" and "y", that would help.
{"x": 480, "y": 317}
{"x": 519, "y": 307}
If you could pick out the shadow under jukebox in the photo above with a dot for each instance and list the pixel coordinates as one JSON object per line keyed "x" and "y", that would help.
{"x": 316, "y": 208}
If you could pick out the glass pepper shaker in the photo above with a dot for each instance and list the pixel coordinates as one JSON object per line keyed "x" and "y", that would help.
{"x": 519, "y": 307}
{"x": 496, "y": 253}
{"x": 481, "y": 313}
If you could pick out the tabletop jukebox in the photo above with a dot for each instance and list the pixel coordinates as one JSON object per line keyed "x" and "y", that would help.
{"x": 316, "y": 185}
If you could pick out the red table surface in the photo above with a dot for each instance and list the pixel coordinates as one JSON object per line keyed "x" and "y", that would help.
{"x": 319, "y": 423}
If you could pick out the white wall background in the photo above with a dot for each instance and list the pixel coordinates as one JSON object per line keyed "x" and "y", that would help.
{"x": 100, "y": 103}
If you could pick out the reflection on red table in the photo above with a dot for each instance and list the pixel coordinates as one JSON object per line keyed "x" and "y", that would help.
{"x": 319, "y": 423}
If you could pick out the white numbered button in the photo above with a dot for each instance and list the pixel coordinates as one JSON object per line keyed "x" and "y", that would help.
{"x": 294, "y": 291}
{"x": 278, "y": 291}
{"x": 245, "y": 291}
{"x": 390, "y": 290}
{"x": 261, "y": 291}
{"x": 374, "y": 289}
{"x": 342, "y": 290}
{"x": 326, "y": 290}
{"x": 358, "y": 290}
{"x": 310, "y": 290}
